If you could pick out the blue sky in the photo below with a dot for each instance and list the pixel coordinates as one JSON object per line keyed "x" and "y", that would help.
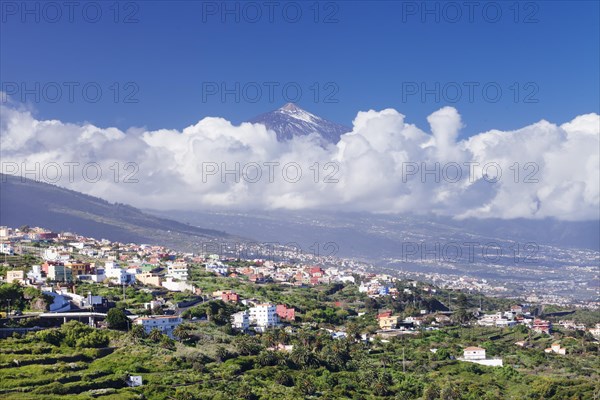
{"x": 370, "y": 55}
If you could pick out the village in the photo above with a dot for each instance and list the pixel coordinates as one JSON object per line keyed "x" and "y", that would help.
{"x": 70, "y": 260}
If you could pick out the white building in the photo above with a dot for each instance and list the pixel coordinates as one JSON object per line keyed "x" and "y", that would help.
{"x": 178, "y": 286}
{"x": 77, "y": 245}
{"x": 477, "y": 355}
{"x": 116, "y": 274}
{"x": 555, "y": 348}
{"x": 85, "y": 301}
{"x": 35, "y": 274}
{"x": 505, "y": 323}
{"x": 164, "y": 323}
{"x": 6, "y": 248}
{"x": 56, "y": 254}
{"x": 154, "y": 304}
{"x": 59, "y": 273}
{"x": 98, "y": 277}
{"x": 216, "y": 268}
{"x": 240, "y": 320}
{"x": 178, "y": 270}
{"x": 264, "y": 316}
{"x": 474, "y": 353}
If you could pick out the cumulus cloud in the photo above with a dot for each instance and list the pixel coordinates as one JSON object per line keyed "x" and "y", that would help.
{"x": 383, "y": 165}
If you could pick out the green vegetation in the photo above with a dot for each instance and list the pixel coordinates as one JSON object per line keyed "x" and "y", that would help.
{"x": 211, "y": 361}
{"x": 117, "y": 319}
{"x": 23, "y": 298}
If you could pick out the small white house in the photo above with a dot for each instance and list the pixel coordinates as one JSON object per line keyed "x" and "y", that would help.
{"x": 474, "y": 353}
{"x": 164, "y": 323}
{"x": 477, "y": 355}
{"x": 555, "y": 348}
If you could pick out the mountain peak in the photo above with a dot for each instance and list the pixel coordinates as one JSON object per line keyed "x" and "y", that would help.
{"x": 291, "y": 120}
{"x": 290, "y": 107}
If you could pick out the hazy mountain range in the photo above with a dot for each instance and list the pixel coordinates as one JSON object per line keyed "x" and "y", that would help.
{"x": 27, "y": 202}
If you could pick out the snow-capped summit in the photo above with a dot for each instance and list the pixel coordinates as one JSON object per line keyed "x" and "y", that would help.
{"x": 290, "y": 107}
{"x": 290, "y": 120}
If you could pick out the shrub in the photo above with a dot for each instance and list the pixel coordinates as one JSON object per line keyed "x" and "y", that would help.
{"x": 94, "y": 340}
{"x": 51, "y": 336}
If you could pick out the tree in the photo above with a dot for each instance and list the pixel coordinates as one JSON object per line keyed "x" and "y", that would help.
{"x": 52, "y": 336}
{"x": 117, "y": 319}
{"x": 303, "y": 358}
{"x": 137, "y": 332}
{"x": 267, "y": 358}
{"x": 73, "y": 331}
{"x": 461, "y": 300}
{"x": 449, "y": 392}
{"x": 382, "y": 384}
{"x": 283, "y": 378}
{"x": 182, "y": 332}
{"x": 167, "y": 343}
{"x": 95, "y": 339}
{"x": 353, "y": 331}
{"x": 222, "y": 353}
{"x": 431, "y": 392}
{"x": 247, "y": 345}
{"x": 155, "y": 335}
{"x": 306, "y": 385}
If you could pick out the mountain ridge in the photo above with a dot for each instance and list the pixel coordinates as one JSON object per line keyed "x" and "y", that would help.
{"x": 28, "y": 202}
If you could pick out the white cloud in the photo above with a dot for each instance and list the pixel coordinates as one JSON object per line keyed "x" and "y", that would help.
{"x": 383, "y": 165}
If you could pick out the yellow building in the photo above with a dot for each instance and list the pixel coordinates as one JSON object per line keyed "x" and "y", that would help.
{"x": 390, "y": 322}
{"x": 148, "y": 278}
{"x": 15, "y": 276}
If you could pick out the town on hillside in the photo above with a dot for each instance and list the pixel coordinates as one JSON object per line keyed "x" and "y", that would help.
{"x": 60, "y": 282}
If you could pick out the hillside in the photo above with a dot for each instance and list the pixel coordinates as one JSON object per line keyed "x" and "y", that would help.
{"x": 27, "y": 202}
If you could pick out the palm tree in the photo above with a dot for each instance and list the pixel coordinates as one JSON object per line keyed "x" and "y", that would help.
{"x": 267, "y": 358}
{"x": 353, "y": 331}
{"x": 137, "y": 332}
{"x": 182, "y": 332}
{"x": 222, "y": 353}
{"x": 155, "y": 335}
{"x": 304, "y": 358}
{"x": 268, "y": 338}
